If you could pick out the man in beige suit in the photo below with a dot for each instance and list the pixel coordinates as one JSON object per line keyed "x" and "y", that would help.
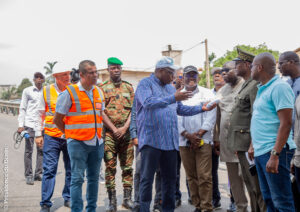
{"x": 227, "y": 94}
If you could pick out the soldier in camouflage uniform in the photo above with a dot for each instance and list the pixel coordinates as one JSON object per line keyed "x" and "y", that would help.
{"x": 118, "y": 103}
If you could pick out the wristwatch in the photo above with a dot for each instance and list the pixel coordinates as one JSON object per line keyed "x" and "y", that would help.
{"x": 273, "y": 152}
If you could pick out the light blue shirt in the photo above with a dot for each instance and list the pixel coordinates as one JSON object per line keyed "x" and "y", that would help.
{"x": 64, "y": 104}
{"x": 271, "y": 97}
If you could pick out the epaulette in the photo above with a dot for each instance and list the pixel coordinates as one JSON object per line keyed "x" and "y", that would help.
{"x": 126, "y": 82}
{"x": 103, "y": 83}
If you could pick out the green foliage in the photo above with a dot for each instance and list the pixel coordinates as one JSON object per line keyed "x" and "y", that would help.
{"x": 202, "y": 81}
{"x": 6, "y": 95}
{"x": 230, "y": 55}
{"x": 24, "y": 84}
{"x": 49, "y": 71}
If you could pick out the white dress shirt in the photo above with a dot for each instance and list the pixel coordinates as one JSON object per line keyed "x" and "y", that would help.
{"x": 28, "y": 106}
{"x": 205, "y": 121}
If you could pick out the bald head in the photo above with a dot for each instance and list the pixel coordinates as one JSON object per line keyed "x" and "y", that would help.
{"x": 267, "y": 62}
{"x": 289, "y": 64}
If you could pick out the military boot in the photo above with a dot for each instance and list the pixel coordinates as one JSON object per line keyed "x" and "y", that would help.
{"x": 112, "y": 207}
{"x": 127, "y": 202}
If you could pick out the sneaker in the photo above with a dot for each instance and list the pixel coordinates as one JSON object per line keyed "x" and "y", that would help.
{"x": 45, "y": 208}
{"x": 29, "y": 180}
{"x": 38, "y": 177}
{"x": 157, "y": 208}
{"x": 231, "y": 208}
{"x": 217, "y": 205}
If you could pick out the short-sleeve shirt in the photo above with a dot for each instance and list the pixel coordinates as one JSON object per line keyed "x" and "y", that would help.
{"x": 271, "y": 97}
{"x": 118, "y": 101}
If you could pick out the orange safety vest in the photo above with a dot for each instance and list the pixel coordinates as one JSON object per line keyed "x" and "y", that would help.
{"x": 84, "y": 121}
{"x": 50, "y": 98}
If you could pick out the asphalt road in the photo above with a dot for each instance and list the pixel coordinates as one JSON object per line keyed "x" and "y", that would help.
{"x": 16, "y": 196}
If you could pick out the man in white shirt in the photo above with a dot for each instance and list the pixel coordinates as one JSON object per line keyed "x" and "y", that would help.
{"x": 28, "y": 109}
{"x": 195, "y": 142}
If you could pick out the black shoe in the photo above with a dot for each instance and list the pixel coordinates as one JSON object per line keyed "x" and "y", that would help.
{"x": 157, "y": 208}
{"x": 45, "y": 208}
{"x": 217, "y": 205}
{"x": 67, "y": 204}
{"x": 136, "y": 208}
{"x": 38, "y": 177}
{"x": 177, "y": 203}
{"x": 197, "y": 210}
{"x": 29, "y": 180}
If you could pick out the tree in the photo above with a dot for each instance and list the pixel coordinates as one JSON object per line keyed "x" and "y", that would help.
{"x": 6, "y": 95}
{"x": 24, "y": 84}
{"x": 230, "y": 55}
{"x": 49, "y": 72}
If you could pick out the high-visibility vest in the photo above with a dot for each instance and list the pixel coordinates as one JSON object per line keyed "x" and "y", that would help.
{"x": 84, "y": 121}
{"x": 50, "y": 98}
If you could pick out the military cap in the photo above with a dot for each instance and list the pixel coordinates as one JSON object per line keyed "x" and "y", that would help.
{"x": 244, "y": 56}
{"x": 114, "y": 61}
{"x": 229, "y": 64}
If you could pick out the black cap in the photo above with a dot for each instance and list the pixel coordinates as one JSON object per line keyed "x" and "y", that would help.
{"x": 188, "y": 69}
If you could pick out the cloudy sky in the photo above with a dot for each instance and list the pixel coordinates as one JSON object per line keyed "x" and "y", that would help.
{"x": 36, "y": 31}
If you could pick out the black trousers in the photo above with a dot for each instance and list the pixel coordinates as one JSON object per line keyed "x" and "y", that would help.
{"x": 29, "y": 144}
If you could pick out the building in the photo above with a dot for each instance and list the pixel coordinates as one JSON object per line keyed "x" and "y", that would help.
{"x": 129, "y": 75}
{"x": 134, "y": 76}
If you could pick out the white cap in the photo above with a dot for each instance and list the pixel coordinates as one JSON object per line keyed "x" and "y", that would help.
{"x": 60, "y": 67}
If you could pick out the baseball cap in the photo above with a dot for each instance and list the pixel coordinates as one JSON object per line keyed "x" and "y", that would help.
{"x": 188, "y": 69}
{"x": 166, "y": 62}
{"x": 215, "y": 70}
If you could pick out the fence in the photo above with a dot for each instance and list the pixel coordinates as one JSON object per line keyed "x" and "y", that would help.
{"x": 9, "y": 107}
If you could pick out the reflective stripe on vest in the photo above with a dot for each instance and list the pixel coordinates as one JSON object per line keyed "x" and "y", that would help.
{"x": 83, "y": 121}
{"x": 50, "y": 98}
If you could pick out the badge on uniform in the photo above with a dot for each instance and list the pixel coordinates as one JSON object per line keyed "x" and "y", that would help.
{"x": 98, "y": 105}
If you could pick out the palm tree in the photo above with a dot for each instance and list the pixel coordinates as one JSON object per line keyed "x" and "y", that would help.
{"x": 49, "y": 71}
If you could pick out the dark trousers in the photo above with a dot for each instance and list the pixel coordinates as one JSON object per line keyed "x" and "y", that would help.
{"x": 29, "y": 144}
{"x": 167, "y": 161}
{"x": 158, "y": 197}
{"x": 215, "y": 177}
{"x": 52, "y": 148}
{"x": 296, "y": 188}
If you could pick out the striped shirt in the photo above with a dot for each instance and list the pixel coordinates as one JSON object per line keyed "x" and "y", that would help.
{"x": 156, "y": 114}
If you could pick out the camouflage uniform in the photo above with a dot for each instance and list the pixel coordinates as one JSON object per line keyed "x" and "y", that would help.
{"x": 118, "y": 104}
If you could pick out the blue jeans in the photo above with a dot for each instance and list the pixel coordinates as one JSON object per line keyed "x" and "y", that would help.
{"x": 137, "y": 176}
{"x": 51, "y": 150}
{"x": 167, "y": 161}
{"x": 84, "y": 157}
{"x": 276, "y": 188}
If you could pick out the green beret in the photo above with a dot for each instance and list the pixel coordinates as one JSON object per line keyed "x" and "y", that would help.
{"x": 114, "y": 61}
{"x": 244, "y": 56}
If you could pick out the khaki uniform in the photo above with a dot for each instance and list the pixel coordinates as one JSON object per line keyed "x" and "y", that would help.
{"x": 118, "y": 104}
{"x": 228, "y": 94}
{"x": 239, "y": 139}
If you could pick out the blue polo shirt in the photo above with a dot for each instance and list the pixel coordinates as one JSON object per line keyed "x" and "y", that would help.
{"x": 271, "y": 97}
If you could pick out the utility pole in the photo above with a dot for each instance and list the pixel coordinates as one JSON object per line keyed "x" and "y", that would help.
{"x": 207, "y": 65}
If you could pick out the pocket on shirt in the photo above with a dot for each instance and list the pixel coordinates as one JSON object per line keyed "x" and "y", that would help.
{"x": 242, "y": 134}
{"x": 244, "y": 104}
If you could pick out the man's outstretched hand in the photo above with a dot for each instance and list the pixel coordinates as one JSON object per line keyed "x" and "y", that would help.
{"x": 182, "y": 95}
{"x": 205, "y": 108}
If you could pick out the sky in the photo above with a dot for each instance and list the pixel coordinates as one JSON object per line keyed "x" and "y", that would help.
{"x": 33, "y": 32}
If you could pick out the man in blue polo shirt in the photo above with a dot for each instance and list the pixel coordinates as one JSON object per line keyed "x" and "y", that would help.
{"x": 271, "y": 134}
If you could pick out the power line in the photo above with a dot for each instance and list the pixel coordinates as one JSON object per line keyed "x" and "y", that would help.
{"x": 184, "y": 51}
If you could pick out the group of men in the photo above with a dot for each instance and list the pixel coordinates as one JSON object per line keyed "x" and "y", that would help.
{"x": 169, "y": 121}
